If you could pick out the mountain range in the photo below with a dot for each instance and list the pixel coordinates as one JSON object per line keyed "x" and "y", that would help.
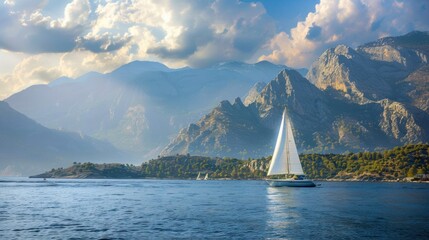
{"x": 27, "y": 147}
{"x": 369, "y": 98}
{"x": 141, "y": 105}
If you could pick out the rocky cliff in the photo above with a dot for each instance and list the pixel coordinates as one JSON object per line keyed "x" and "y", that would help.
{"x": 369, "y": 98}
{"x": 223, "y": 132}
{"x": 372, "y": 71}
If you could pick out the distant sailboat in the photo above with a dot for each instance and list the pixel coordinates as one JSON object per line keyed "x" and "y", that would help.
{"x": 286, "y": 159}
{"x": 198, "y": 177}
{"x": 206, "y": 177}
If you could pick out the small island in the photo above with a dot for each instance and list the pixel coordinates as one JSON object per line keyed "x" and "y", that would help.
{"x": 406, "y": 163}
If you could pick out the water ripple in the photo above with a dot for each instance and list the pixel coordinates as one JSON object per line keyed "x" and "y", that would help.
{"x": 165, "y": 209}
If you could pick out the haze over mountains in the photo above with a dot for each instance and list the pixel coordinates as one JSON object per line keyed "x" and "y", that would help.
{"x": 26, "y": 147}
{"x": 368, "y": 98}
{"x": 140, "y": 105}
{"x": 365, "y": 99}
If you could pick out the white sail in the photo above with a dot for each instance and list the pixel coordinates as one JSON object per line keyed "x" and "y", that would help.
{"x": 198, "y": 177}
{"x": 279, "y": 161}
{"x": 206, "y": 177}
{"x": 285, "y": 158}
{"x": 294, "y": 162}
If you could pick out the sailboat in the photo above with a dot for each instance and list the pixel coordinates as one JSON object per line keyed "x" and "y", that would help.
{"x": 206, "y": 177}
{"x": 286, "y": 159}
{"x": 198, "y": 177}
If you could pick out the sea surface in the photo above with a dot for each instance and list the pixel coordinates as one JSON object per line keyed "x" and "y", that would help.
{"x": 186, "y": 209}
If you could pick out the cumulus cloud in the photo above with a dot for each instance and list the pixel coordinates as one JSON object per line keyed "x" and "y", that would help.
{"x": 179, "y": 33}
{"x": 76, "y": 13}
{"x": 101, "y": 35}
{"x": 46, "y": 67}
{"x": 195, "y": 33}
{"x": 30, "y": 70}
{"x": 102, "y": 43}
{"x": 24, "y": 28}
{"x": 350, "y": 22}
{"x": 76, "y": 63}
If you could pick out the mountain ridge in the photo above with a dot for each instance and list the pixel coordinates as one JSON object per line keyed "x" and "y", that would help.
{"x": 374, "y": 96}
{"x": 370, "y": 72}
{"x": 346, "y": 104}
{"x": 27, "y": 147}
{"x": 140, "y": 105}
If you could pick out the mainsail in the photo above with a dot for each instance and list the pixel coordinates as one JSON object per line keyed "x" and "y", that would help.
{"x": 285, "y": 158}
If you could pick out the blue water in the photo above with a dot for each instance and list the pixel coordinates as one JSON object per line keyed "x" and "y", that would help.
{"x": 165, "y": 209}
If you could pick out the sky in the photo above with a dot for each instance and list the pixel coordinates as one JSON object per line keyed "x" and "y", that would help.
{"x": 43, "y": 40}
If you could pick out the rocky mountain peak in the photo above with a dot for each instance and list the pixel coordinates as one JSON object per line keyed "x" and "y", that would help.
{"x": 355, "y": 102}
{"x": 405, "y": 59}
{"x": 338, "y": 55}
{"x": 353, "y": 75}
{"x": 290, "y": 89}
{"x": 329, "y": 72}
{"x": 219, "y": 131}
{"x": 277, "y": 91}
{"x": 225, "y": 104}
{"x": 238, "y": 103}
{"x": 285, "y": 83}
{"x": 372, "y": 71}
{"x": 343, "y": 50}
{"x": 409, "y": 51}
{"x": 414, "y": 40}
{"x": 254, "y": 92}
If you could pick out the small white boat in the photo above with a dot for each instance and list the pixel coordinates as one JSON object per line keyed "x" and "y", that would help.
{"x": 198, "y": 177}
{"x": 286, "y": 159}
{"x": 206, "y": 177}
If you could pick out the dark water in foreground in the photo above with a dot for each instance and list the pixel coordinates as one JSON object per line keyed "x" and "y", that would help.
{"x": 165, "y": 209}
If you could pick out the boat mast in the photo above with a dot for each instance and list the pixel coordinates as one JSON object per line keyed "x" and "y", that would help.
{"x": 287, "y": 144}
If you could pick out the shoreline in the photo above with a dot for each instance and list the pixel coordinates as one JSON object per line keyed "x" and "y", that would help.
{"x": 375, "y": 181}
{"x": 233, "y": 179}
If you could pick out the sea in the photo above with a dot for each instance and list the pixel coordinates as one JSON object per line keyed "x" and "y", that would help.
{"x": 213, "y": 209}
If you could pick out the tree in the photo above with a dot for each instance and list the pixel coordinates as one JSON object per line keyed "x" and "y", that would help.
{"x": 412, "y": 172}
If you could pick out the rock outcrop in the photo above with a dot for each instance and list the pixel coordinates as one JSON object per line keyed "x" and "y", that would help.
{"x": 373, "y": 70}
{"x": 223, "y": 132}
{"x": 254, "y": 93}
{"x": 371, "y": 98}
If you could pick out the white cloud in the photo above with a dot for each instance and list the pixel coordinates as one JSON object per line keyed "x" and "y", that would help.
{"x": 350, "y": 22}
{"x": 76, "y": 63}
{"x": 46, "y": 67}
{"x": 76, "y": 13}
{"x": 103, "y": 34}
{"x": 196, "y": 33}
{"x": 105, "y": 42}
{"x": 24, "y": 28}
{"x": 29, "y": 71}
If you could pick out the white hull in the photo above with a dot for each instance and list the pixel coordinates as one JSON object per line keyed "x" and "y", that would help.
{"x": 290, "y": 183}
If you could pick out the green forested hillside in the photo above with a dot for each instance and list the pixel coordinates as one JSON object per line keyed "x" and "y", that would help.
{"x": 181, "y": 166}
{"x": 397, "y": 163}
